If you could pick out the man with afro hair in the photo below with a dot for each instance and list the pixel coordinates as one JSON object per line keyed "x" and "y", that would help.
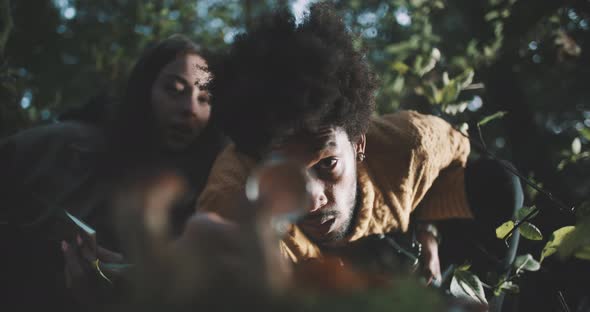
{"x": 304, "y": 92}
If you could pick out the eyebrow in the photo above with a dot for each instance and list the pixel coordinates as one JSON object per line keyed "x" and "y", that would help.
{"x": 320, "y": 143}
{"x": 180, "y": 78}
{"x": 185, "y": 82}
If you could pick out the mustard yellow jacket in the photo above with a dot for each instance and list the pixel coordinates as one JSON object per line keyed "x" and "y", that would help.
{"x": 414, "y": 166}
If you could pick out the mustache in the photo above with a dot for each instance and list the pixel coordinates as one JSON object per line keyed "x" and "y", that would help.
{"x": 322, "y": 214}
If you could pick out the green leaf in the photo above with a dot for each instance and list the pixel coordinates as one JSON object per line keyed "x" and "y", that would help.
{"x": 401, "y": 47}
{"x": 401, "y": 67}
{"x": 491, "y": 15}
{"x": 432, "y": 93}
{"x": 504, "y": 229}
{"x": 555, "y": 240}
{"x": 524, "y": 211}
{"x": 398, "y": 84}
{"x": 577, "y": 240}
{"x": 487, "y": 119}
{"x": 466, "y": 285}
{"x": 421, "y": 68}
{"x": 445, "y": 78}
{"x": 529, "y": 231}
{"x": 576, "y": 146}
{"x": 454, "y": 109}
{"x": 583, "y": 253}
{"x": 509, "y": 287}
{"x": 464, "y": 267}
{"x": 526, "y": 263}
{"x": 585, "y": 132}
{"x": 465, "y": 79}
{"x": 418, "y": 64}
{"x": 464, "y": 128}
{"x": 450, "y": 92}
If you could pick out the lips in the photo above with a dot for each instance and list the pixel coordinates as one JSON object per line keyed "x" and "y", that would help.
{"x": 318, "y": 226}
{"x": 181, "y": 128}
{"x": 179, "y": 131}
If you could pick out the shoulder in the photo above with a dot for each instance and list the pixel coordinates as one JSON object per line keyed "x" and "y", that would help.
{"x": 400, "y": 131}
{"x": 414, "y": 130}
{"x": 82, "y": 135}
{"x": 408, "y": 123}
{"x": 57, "y": 150}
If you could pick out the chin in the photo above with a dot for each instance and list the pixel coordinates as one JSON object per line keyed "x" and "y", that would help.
{"x": 333, "y": 239}
{"x": 175, "y": 146}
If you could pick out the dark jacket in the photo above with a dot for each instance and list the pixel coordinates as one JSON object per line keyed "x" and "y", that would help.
{"x": 74, "y": 166}
{"x": 43, "y": 168}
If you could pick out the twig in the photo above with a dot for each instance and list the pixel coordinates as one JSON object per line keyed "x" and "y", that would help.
{"x": 562, "y": 301}
{"x": 481, "y": 137}
{"x": 482, "y": 148}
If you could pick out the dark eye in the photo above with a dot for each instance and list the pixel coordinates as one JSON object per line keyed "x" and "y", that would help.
{"x": 174, "y": 89}
{"x": 203, "y": 97}
{"x": 327, "y": 164}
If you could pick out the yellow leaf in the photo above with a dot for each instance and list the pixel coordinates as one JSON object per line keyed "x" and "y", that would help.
{"x": 401, "y": 67}
{"x": 555, "y": 240}
{"x": 504, "y": 229}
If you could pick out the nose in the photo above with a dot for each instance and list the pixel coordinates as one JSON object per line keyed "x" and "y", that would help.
{"x": 192, "y": 108}
{"x": 317, "y": 191}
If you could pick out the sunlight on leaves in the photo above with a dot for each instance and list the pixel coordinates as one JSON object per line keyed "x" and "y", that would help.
{"x": 576, "y": 146}
{"x": 555, "y": 240}
{"x": 526, "y": 263}
{"x": 492, "y": 117}
{"x": 401, "y": 67}
{"x": 524, "y": 211}
{"x": 467, "y": 285}
{"x": 504, "y": 229}
{"x": 577, "y": 241}
{"x": 508, "y": 287}
{"x": 529, "y": 231}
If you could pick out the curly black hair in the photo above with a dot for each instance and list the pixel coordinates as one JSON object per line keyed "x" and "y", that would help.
{"x": 282, "y": 79}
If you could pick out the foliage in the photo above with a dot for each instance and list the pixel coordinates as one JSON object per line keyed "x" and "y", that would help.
{"x": 467, "y": 285}
{"x": 526, "y": 228}
{"x": 522, "y": 64}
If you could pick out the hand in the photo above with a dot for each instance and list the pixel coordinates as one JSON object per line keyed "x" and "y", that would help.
{"x": 238, "y": 250}
{"x": 430, "y": 260}
{"x": 82, "y": 275}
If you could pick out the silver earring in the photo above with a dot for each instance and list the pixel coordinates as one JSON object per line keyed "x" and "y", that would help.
{"x": 360, "y": 156}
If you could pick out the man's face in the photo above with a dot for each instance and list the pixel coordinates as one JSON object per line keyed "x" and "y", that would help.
{"x": 330, "y": 158}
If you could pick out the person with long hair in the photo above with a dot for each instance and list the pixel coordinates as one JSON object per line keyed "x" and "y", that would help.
{"x": 160, "y": 125}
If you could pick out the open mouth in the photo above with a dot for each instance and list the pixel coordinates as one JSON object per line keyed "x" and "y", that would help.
{"x": 318, "y": 226}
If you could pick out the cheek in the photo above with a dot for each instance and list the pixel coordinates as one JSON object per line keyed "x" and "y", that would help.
{"x": 160, "y": 105}
{"x": 203, "y": 113}
{"x": 344, "y": 191}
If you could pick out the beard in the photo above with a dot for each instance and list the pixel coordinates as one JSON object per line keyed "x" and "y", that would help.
{"x": 342, "y": 222}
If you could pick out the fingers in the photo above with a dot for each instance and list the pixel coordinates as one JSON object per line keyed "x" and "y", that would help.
{"x": 106, "y": 255}
{"x": 86, "y": 251}
{"x": 431, "y": 269}
{"x": 74, "y": 267}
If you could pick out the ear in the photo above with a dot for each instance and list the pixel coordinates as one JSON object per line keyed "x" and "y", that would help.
{"x": 359, "y": 145}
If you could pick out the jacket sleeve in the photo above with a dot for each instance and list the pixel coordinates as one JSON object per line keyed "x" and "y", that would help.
{"x": 418, "y": 162}
{"x": 446, "y": 152}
